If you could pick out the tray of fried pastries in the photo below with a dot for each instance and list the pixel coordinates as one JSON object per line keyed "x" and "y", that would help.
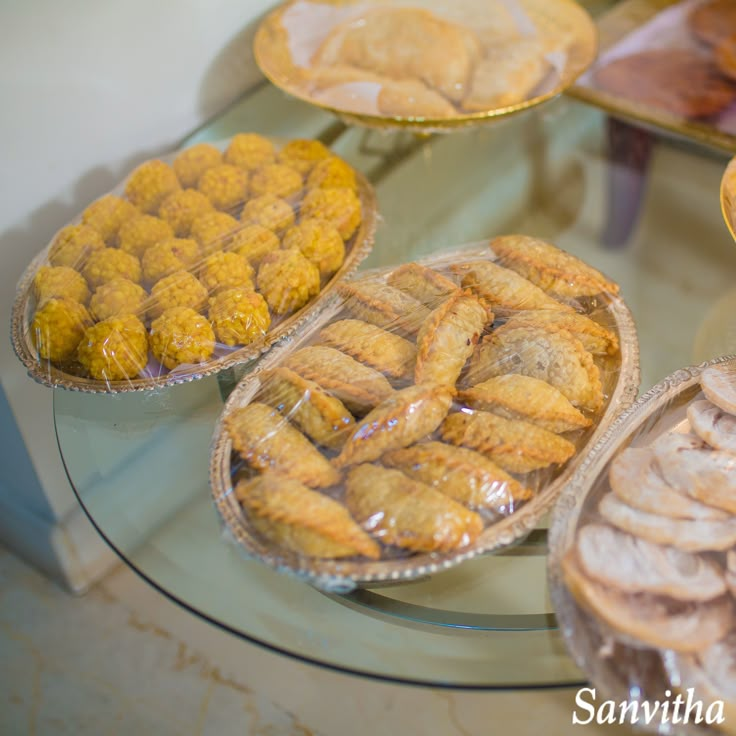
{"x": 430, "y": 414}
{"x": 670, "y": 64}
{"x": 642, "y": 564}
{"x": 431, "y": 65}
{"x": 196, "y": 262}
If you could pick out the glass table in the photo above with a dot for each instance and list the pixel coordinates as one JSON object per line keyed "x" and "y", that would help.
{"x": 565, "y": 172}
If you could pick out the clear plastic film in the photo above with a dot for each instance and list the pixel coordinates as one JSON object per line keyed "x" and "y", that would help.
{"x": 431, "y": 413}
{"x": 195, "y": 263}
{"x": 430, "y": 63}
{"x": 643, "y": 558}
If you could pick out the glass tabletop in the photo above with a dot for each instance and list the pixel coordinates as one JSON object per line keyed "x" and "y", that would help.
{"x": 642, "y": 209}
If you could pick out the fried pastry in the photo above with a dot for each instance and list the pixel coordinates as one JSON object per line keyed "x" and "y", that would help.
{"x": 713, "y": 21}
{"x": 713, "y": 425}
{"x": 322, "y": 417}
{"x": 292, "y": 516}
{"x": 514, "y": 396}
{"x": 405, "y": 513}
{"x": 552, "y": 355}
{"x": 654, "y": 620}
{"x": 380, "y": 349}
{"x": 266, "y": 441}
{"x": 632, "y": 565}
{"x": 359, "y": 387}
{"x": 424, "y": 284}
{"x": 686, "y": 534}
{"x": 447, "y": 339}
{"x": 719, "y": 386}
{"x": 402, "y": 419}
{"x": 595, "y": 338}
{"x": 553, "y": 270}
{"x": 634, "y": 478}
{"x": 411, "y": 98}
{"x": 503, "y": 289}
{"x": 462, "y": 474}
{"x": 516, "y": 446}
{"x": 383, "y": 305}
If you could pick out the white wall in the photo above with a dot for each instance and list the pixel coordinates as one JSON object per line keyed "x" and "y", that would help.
{"x": 87, "y": 90}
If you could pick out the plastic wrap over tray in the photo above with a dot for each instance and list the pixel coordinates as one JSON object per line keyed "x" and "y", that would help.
{"x": 642, "y": 562}
{"x": 433, "y": 412}
{"x": 197, "y": 262}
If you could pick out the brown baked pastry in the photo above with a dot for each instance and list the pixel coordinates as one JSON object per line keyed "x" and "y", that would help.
{"x": 292, "y": 516}
{"x": 514, "y": 396}
{"x": 713, "y": 425}
{"x": 448, "y": 337}
{"x": 403, "y": 512}
{"x": 399, "y": 421}
{"x": 713, "y": 21}
{"x": 680, "y": 82}
{"x": 423, "y": 284}
{"x": 322, "y": 417}
{"x": 725, "y": 56}
{"x": 516, "y": 446}
{"x": 378, "y": 348}
{"x": 553, "y": 270}
{"x": 554, "y": 356}
{"x": 359, "y": 387}
{"x": 465, "y": 475}
{"x": 382, "y": 305}
{"x": 266, "y": 441}
{"x": 719, "y": 386}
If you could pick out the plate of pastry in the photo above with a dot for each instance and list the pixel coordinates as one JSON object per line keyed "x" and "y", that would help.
{"x": 431, "y": 413}
{"x": 429, "y": 65}
{"x": 642, "y": 564}
{"x": 197, "y": 262}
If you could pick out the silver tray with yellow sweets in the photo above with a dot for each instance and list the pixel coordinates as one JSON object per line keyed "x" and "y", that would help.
{"x": 432, "y": 414}
{"x": 427, "y": 65}
{"x": 197, "y": 262}
{"x": 642, "y": 563}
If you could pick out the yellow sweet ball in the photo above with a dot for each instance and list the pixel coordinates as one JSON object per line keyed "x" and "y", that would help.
{"x": 118, "y": 297}
{"x": 169, "y": 256}
{"x": 270, "y": 212}
{"x": 239, "y": 316}
{"x": 319, "y": 242}
{"x": 181, "y": 208}
{"x": 58, "y": 327}
{"x": 107, "y": 215}
{"x": 57, "y": 282}
{"x": 225, "y": 186}
{"x": 340, "y": 207}
{"x": 332, "y": 173}
{"x": 276, "y": 179}
{"x": 253, "y": 242}
{"x": 150, "y": 184}
{"x": 224, "y": 270}
{"x": 191, "y": 163}
{"x": 180, "y": 289}
{"x": 181, "y": 335}
{"x": 115, "y": 349}
{"x": 250, "y": 151}
{"x": 140, "y": 233}
{"x": 302, "y": 154}
{"x": 73, "y": 245}
{"x": 110, "y": 263}
{"x": 287, "y": 280}
{"x": 213, "y": 230}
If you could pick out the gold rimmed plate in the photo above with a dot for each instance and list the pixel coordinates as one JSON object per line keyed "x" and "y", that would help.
{"x": 289, "y": 48}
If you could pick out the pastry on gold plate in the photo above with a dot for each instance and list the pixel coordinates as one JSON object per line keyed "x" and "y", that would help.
{"x": 424, "y": 284}
{"x": 266, "y": 441}
{"x": 713, "y": 21}
{"x": 514, "y": 396}
{"x": 380, "y": 349}
{"x": 320, "y": 416}
{"x": 383, "y": 305}
{"x": 462, "y": 474}
{"x": 359, "y": 387}
{"x": 403, "y": 512}
{"x": 292, "y": 516}
{"x": 551, "y": 269}
{"x": 448, "y": 337}
{"x": 399, "y": 421}
{"x": 518, "y": 447}
{"x": 713, "y": 425}
{"x": 552, "y": 356}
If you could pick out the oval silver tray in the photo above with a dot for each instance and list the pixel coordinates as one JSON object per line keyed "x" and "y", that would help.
{"x": 616, "y": 667}
{"x": 357, "y": 249}
{"x": 345, "y": 575}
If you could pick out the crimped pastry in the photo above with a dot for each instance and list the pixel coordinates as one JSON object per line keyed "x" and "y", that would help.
{"x": 713, "y": 425}
{"x": 719, "y": 386}
{"x": 424, "y": 284}
{"x": 383, "y": 305}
